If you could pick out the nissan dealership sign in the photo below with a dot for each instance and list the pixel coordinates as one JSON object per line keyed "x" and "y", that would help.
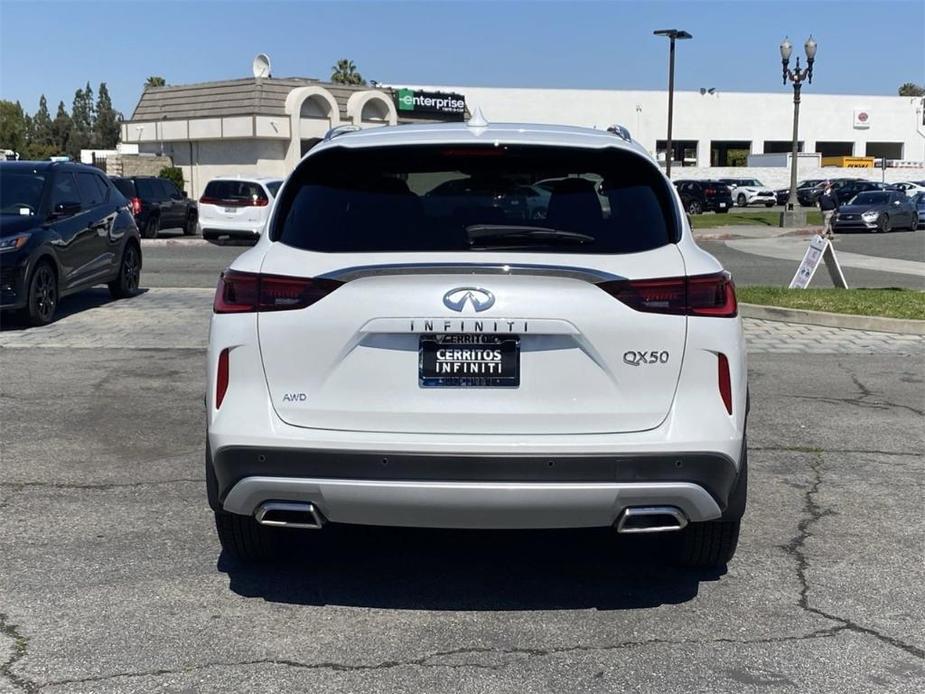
{"x": 413, "y": 103}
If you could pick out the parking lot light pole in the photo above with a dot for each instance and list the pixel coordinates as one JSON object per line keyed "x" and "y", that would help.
{"x": 672, "y": 34}
{"x": 797, "y": 77}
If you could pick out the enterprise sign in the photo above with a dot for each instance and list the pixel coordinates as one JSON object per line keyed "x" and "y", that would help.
{"x": 429, "y": 104}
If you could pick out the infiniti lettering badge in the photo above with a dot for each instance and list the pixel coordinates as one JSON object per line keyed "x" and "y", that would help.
{"x": 480, "y": 299}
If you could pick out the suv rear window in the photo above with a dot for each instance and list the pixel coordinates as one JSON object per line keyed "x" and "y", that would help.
{"x": 240, "y": 192}
{"x": 149, "y": 189}
{"x": 476, "y": 198}
{"x": 124, "y": 186}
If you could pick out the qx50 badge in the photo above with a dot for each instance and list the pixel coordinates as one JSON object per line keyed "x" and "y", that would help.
{"x": 642, "y": 358}
{"x": 480, "y": 299}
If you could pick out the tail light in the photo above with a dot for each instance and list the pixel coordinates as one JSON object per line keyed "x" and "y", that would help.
{"x": 252, "y": 201}
{"x": 710, "y": 191}
{"x": 136, "y": 206}
{"x": 221, "y": 378}
{"x": 700, "y": 295}
{"x": 245, "y": 292}
{"x": 725, "y": 383}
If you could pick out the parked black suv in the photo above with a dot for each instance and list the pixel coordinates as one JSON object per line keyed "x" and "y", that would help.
{"x": 704, "y": 196}
{"x": 845, "y": 189}
{"x": 63, "y": 228}
{"x": 157, "y": 204}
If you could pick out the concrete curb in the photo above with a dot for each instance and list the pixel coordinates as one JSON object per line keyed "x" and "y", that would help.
{"x": 833, "y": 320}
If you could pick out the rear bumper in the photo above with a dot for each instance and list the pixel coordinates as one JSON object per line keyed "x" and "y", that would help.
{"x": 500, "y": 505}
{"x": 473, "y": 491}
{"x": 237, "y": 233}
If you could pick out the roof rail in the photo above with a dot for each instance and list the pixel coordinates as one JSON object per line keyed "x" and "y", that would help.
{"x": 620, "y": 132}
{"x": 339, "y": 130}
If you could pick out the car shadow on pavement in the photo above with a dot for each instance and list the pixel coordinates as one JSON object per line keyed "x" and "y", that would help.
{"x": 68, "y": 306}
{"x": 414, "y": 569}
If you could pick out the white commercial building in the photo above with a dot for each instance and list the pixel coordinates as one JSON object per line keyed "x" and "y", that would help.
{"x": 264, "y": 125}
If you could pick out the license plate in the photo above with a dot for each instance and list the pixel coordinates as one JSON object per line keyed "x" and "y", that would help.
{"x": 469, "y": 361}
{"x": 231, "y": 210}
{"x": 722, "y": 204}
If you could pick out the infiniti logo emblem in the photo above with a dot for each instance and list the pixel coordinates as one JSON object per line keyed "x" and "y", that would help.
{"x": 480, "y": 299}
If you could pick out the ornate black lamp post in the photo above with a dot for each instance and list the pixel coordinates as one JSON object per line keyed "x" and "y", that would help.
{"x": 797, "y": 76}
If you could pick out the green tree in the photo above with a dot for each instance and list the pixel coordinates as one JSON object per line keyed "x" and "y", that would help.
{"x": 155, "y": 81}
{"x": 911, "y": 89}
{"x": 12, "y": 126}
{"x": 82, "y": 117}
{"x": 106, "y": 127}
{"x": 61, "y": 129}
{"x": 345, "y": 72}
{"x": 173, "y": 173}
{"x": 41, "y": 125}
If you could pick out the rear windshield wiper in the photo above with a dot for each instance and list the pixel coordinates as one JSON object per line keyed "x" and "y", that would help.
{"x": 481, "y": 233}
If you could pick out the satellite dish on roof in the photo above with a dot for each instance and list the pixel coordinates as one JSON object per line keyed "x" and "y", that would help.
{"x": 261, "y": 65}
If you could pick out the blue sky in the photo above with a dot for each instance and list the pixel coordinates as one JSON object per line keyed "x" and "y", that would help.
{"x": 53, "y": 47}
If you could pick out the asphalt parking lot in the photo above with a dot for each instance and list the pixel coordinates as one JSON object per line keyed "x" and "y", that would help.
{"x": 111, "y": 578}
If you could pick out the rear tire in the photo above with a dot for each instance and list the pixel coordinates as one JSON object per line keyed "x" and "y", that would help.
{"x": 126, "y": 284}
{"x": 713, "y": 543}
{"x": 741, "y": 201}
{"x": 189, "y": 229}
{"x": 709, "y": 545}
{"x": 244, "y": 539}
{"x": 724, "y": 210}
{"x": 151, "y": 228}
{"x": 769, "y": 204}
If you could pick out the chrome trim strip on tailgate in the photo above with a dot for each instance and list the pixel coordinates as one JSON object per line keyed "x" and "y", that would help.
{"x": 579, "y": 273}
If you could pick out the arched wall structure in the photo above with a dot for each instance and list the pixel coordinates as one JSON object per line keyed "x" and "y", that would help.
{"x": 312, "y": 111}
{"x": 371, "y": 107}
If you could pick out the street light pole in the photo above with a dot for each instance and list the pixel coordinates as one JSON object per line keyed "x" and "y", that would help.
{"x": 796, "y": 77}
{"x": 672, "y": 34}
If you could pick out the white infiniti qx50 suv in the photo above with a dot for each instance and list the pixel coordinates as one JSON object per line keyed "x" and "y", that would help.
{"x": 397, "y": 351}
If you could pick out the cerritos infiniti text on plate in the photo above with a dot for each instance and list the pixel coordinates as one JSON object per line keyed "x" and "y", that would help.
{"x": 469, "y": 361}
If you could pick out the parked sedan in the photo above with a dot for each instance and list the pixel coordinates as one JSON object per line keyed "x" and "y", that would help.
{"x": 750, "y": 191}
{"x": 877, "y": 210}
{"x": 157, "y": 204}
{"x": 911, "y": 188}
{"x": 919, "y": 201}
{"x": 63, "y": 228}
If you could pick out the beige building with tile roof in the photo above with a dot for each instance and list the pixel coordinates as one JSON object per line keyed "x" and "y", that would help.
{"x": 251, "y": 126}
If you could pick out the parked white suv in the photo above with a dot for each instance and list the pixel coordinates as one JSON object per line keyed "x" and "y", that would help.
{"x": 750, "y": 191}
{"x": 236, "y": 207}
{"x": 390, "y": 355}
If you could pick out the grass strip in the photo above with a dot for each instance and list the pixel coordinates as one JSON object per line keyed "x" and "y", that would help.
{"x": 889, "y": 303}
{"x": 765, "y": 218}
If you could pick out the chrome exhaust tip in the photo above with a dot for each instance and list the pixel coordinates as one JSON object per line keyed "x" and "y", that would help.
{"x": 289, "y": 514}
{"x": 651, "y": 519}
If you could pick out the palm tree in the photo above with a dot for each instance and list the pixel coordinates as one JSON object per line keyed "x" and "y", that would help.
{"x": 155, "y": 81}
{"x": 345, "y": 72}
{"x": 911, "y": 89}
